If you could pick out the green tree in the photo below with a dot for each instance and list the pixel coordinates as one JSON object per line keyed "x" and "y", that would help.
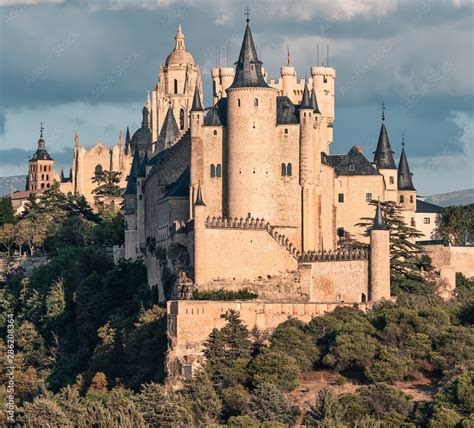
{"x": 107, "y": 185}
{"x": 8, "y": 236}
{"x": 406, "y": 257}
{"x": 443, "y": 417}
{"x": 275, "y": 367}
{"x": 268, "y": 404}
{"x": 7, "y": 214}
{"x": 44, "y": 412}
{"x": 326, "y": 410}
{"x": 31, "y": 233}
{"x": 458, "y": 393}
{"x": 456, "y": 225}
{"x": 235, "y": 400}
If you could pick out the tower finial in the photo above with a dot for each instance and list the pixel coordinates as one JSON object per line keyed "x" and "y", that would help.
{"x": 383, "y": 111}
{"x": 41, "y": 129}
{"x": 247, "y": 14}
{"x": 403, "y": 138}
{"x": 288, "y": 59}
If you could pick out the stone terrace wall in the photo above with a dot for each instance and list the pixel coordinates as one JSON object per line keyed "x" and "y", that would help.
{"x": 461, "y": 259}
{"x": 191, "y": 321}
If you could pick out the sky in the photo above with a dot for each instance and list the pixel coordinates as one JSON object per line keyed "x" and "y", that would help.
{"x": 87, "y": 65}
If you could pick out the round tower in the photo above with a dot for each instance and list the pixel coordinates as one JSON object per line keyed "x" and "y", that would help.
{"x": 252, "y": 170}
{"x": 199, "y": 239}
{"x": 197, "y": 121}
{"x": 379, "y": 263}
{"x": 288, "y": 79}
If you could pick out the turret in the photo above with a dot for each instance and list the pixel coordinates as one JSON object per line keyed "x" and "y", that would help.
{"x": 130, "y": 209}
{"x": 197, "y": 122}
{"x": 199, "y": 238}
{"x": 288, "y": 79}
{"x": 379, "y": 263}
{"x": 383, "y": 159}
{"x": 251, "y": 113}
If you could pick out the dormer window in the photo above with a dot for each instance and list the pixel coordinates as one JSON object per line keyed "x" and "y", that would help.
{"x": 351, "y": 167}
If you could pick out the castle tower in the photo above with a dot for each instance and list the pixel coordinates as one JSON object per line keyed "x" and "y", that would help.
{"x": 40, "y": 167}
{"x": 323, "y": 83}
{"x": 142, "y": 138}
{"x": 251, "y": 172}
{"x": 406, "y": 189}
{"x": 197, "y": 121}
{"x": 379, "y": 263}
{"x": 383, "y": 159}
{"x": 222, "y": 78}
{"x": 307, "y": 173}
{"x": 130, "y": 209}
{"x": 176, "y": 82}
{"x": 199, "y": 238}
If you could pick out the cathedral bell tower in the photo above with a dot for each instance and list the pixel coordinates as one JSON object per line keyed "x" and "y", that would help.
{"x": 40, "y": 168}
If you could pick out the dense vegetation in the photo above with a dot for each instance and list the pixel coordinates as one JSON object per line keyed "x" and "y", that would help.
{"x": 91, "y": 344}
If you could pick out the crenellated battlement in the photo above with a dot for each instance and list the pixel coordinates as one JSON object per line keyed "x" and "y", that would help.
{"x": 361, "y": 253}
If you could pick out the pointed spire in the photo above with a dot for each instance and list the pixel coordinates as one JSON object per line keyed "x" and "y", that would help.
{"x": 132, "y": 176}
{"x": 248, "y": 71}
{"x": 41, "y": 130}
{"x": 305, "y": 101}
{"x": 145, "y": 117}
{"x": 76, "y": 139}
{"x": 199, "y": 200}
{"x": 288, "y": 62}
{"x": 383, "y": 155}
{"x": 120, "y": 138}
{"x": 179, "y": 39}
{"x": 127, "y": 141}
{"x": 169, "y": 133}
{"x": 148, "y": 101}
{"x": 314, "y": 102}
{"x": 405, "y": 181}
{"x": 379, "y": 224}
{"x": 197, "y": 106}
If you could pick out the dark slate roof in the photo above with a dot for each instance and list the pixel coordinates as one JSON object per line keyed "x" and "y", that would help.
{"x": 127, "y": 141}
{"x": 142, "y": 137}
{"x": 383, "y": 154}
{"x": 379, "y": 224}
{"x": 404, "y": 175}
{"x": 217, "y": 115}
{"x": 286, "y": 112}
{"x": 199, "y": 200}
{"x": 169, "y": 133}
{"x": 181, "y": 187}
{"x": 41, "y": 153}
{"x": 143, "y": 164}
{"x": 197, "y": 105}
{"x": 306, "y": 100}
{"x": 132, "y": 176}
{"x": 342, "y": 163}
{"x": 427, "y": 207}
{"x": 314, "y": 102}
{"x": 248, "y": 71}
{"x": 161, "y": 157}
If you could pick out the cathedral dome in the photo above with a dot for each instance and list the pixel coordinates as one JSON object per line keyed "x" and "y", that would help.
{"x": 179, "y": 55}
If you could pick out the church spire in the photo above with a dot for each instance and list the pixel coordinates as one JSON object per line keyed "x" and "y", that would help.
{"x": 405, "y": 181}
{"x": 197, "y": 105}
{"x": 127, "y": 141}
{"x": 248, "y": 71}
{"x": 145, "y": 117}
{"x": 179, "y": 40}
{"x": 383, "y": 155}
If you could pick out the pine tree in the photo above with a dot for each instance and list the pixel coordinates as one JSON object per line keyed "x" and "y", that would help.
{"x": 7, "y": 215}
{"x": 107, "y": 185}
{"x": 407, "y": 259}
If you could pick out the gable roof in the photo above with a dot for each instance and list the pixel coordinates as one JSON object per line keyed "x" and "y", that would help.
{"x": 353, "y": 163}
{"x": 427, "y": 207}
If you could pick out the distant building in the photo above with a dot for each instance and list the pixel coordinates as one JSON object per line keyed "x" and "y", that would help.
{"x": 426, "y": 218}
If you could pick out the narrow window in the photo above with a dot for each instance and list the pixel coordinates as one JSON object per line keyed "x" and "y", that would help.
{"x": 215, "y": 132}
{"x": 238, "y": 102}
{"x": 363, "y": 298}
{"x": 391, "y": 180}
{"x": 181, "y": 119}
{"x": 218, "y": 170}
{"x": 98, "y": 169}
{"x": 253, "y": 125}
{"x": 426, "y": 220}
{"x": 255, "y": 102}
{"x": 42, "y": 185}
{"x": 175, "y": 86}
{"x": 325, "y": 79}
{"x": 47, "y": 177}
{"x": 283, "y": 169}
{"x": 289, "y": 169}
{"x": 413, "y": 224}
{"x": 340, "y": 197}
{"x": 340, "y": 232}
{"x": 411, "y": 198}
{"x": 47, "y": 185}
{"x": 368, "y": 197}
{"x": 286, "y": 131}
{"x": 213, "y": 171}
{"x": 42, "y": 176}
{"x": 401, "y": 199}
{"x": 338, "y": 297}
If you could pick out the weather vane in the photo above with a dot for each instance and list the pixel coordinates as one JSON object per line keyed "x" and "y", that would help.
{"x": 403, "y": 138}
{"x": 41, "y": 128}
{"x": 247, "y": 14}
{"x": 383, "y": 111}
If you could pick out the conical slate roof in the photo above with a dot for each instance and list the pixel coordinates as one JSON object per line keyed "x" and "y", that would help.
{"x": 248, "y": 71}
{"x": 379, "y": 224}
{"x": 199, "y": 200}
{"x": 142, "y": 137}
{"x": 169, "y": 133}
{"x": 306, "y": 100}
{"x": 314, "y": 102}
{"x": 383, "y": 154}
{"x": 142, "y": 170}
{"x": 132, "y": 176}
{"x": 197, "y": 105}
{"x": 404, "y": 175}
{"x": 127, "y": 141}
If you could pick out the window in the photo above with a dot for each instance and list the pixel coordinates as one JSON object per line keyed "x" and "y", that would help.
{"x": 42, "y": 185}
{"x": 325, "y": 79}
{"x": 175, "y": 86}
{"x": 363, "y": 298}
{"x": 255, "y": 102}
{"x": 426, "y": 220}
{"x": 340, "y": 197}
{"x": 286, "y": 131}
{"x": 213, "y": 171}
{"x": 215, "y": 132}
{"x": 368, "y": 197}
{"x": 286, "y": 169}
{"x": 338, "y": 297}
{"x": 283, "y": 169}
{"x": 47, "y": 185}
{"x": 402, "y": 199}
{"x": 340, "y": 232}
{"x": 219, "y": 170}
{"x": 289, "y": 169}
{"x": 98, "y": 169}
{"x": 391, "y": 180}
{"x": 411, "y": 198}
{"x": 47, "y": 177}
{"x": 238, "y": 102}
{"x": 42, "y": 176}
{"x": 253, "y": 125}
{"x": 413, "y": 222}
{"x": 181, "y": 119}
{"x": 351, "y": 167}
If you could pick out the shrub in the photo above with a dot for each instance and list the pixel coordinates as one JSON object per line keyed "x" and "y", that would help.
{"x": 222, "y": 294}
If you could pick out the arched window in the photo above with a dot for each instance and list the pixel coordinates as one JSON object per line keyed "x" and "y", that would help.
{"x": 42, "y": 185}
{"x": 98, "y": 169}
{"x": 181, "y": 119}
{"x": 255, "y": 102}
{"x": 42, "y": 176}
{"x": 286, "y": 131}
{"x": 363, "y": 298}
{"x": 47, "y": 185}
{"x": 215, "y": 132}
{"x": 289, "y": 169}
{"x": 213, "y": 171}
{"x": 283, "y": 169}
{"x": 238, "y": 102}
{"x": 47, "y": 177}
{"x": 175, "y": 86}
{"x": 219, "y": 170}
